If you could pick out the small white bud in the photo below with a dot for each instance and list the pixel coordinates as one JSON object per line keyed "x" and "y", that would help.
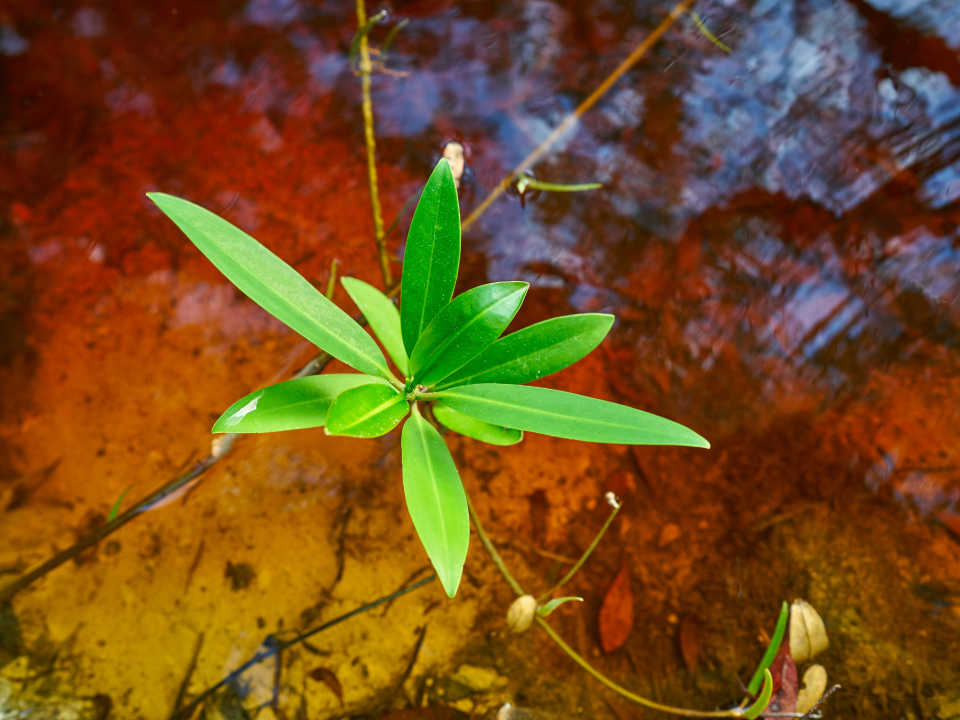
{"x": 521, "y": 612}
{"x": 612, "y": 500}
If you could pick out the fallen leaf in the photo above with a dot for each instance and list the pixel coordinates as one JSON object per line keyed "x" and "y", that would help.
{"x": 322, "y": 674}
{"x": 784, "y": 672}
{"x": 616, "y": 613}
{"x": 814, "y": 685}
{"x": 690, "y": 642}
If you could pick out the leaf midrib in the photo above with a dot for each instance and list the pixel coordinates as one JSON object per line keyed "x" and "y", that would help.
{"x": 433, "y": 483}
{"x": 436, "y": 356}
{"x": 462, "y": 380}
{"x": 375, "y": 411}
{"x": 527, "y": 408}
{"x": 426, "y": 286}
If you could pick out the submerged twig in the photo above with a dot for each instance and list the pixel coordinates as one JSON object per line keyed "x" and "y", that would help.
{"x": 571, "y": 120}
{"x": 365, "y": 69}
{"x": 221, "y": 447}
{"x": 275, "y": 648}
{"x": 332, "y": 280}
{"x": 182, "y": 693}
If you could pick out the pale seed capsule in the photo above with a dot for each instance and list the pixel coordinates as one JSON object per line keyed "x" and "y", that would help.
{"x": 808, "y": 636}
{"x": 521, "y": 612}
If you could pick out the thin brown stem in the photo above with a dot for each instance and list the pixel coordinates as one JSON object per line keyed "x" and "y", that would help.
{"x": 332, "y": 280}
{"x": 365, "y": 69}
{"x": 314, "y": 367}
{"x": 571, "y": 120}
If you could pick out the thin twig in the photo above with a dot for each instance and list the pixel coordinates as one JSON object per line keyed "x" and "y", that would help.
{"x": 332, "y": 280}
{"x": 828, "y": 693}
{"x": 365, "y": 69}
{"x": 583, "y": 558}
{"x": 314, "y": 367}
{"x": 275, "y": 648}
{"x": 182, "y": 693}
{"x": 571, "y": 120}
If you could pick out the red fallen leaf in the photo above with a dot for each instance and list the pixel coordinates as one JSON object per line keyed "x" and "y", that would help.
{"x": 616, "y": 613}
{"x": 321, "y": 674}
{"x": 690, "y": 642}
{"x": 785, "y": 685}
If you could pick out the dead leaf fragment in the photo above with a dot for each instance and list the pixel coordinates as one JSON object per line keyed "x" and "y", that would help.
{"x": 808, "y": 636}
{"x": 784, "y": 672}
{"x": 616, "y": 613}
{"x": 814, "y": 685}
{"x": 690, "y": 642}
{"x": 669, "y": 534}
{"x": 327, "y": 677}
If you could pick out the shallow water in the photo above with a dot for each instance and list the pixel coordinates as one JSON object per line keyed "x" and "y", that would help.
{"x": 777, "y": 236}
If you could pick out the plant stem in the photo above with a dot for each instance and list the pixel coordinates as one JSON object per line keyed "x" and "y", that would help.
{"x": 571, "y": 120}
{"x": 332, "y": 280}
{"x": 623, "y": 691}
{"x": 583, "y": 558}
{"x": 492, "y": 551}
{"x": 365, "y": 69}
{"x": 501, "y": 566}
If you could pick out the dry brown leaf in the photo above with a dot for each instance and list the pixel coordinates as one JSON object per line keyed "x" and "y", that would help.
{"x": 327, "y": 677}
{"x": 616, "y": 613}
{"x": 690, "y": 642}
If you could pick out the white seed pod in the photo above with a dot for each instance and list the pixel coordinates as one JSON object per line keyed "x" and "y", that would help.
{"x": 521, "y": 612}
{"x": 814, "y": 685}
{"x": 808, "y": 636}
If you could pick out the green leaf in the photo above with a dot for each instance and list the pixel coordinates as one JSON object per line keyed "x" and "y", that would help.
{"x": 274, "y": 285}
{"x": 435, "y": 499}
{"x": 545, "y": 610}
{"x": 464, "y": 328}
{"x": 535, "y": 351}
{"x": 432, "y": 257}
{"x": 524, "y": 181}
{"x": 290, "y": 405}
{"x": 707, "y": 34}
{"x": 565, "y": 415}
{"x": 367, "y": 411}
{"x": 477, "y": 429}
{"x": 763, "y": 700}
{"x": 772, "y": 649}
{"x": 383, "y": 317}
{"x": 116, "y": 506}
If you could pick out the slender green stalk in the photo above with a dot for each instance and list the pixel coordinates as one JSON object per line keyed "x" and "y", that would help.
{"x": 583, "y": 558}
{"x": 754, "y": 687}
{"x": 737, "y": 712}
{"x": 492, "y": 551}
{"x": 365, "y": 69}
{"x": 706, "y": 33}
{"x": 501, "y": 566}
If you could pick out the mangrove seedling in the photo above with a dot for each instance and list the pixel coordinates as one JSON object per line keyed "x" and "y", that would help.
{"x": 448, "y": 352}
